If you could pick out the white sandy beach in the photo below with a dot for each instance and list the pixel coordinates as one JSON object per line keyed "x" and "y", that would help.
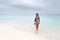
{"x": 17, "y": 18}
{"x": 15, "y": 31}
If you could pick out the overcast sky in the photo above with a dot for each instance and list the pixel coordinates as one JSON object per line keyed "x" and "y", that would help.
{"x": 29, "y": 6}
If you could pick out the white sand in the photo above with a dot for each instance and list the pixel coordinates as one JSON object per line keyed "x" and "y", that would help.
{"x": 13, "y": 31}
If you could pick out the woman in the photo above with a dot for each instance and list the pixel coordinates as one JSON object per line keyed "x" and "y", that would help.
{"x": 37, "y": 21}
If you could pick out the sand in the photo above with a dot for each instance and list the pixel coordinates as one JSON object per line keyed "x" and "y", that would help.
{"x": 15, "y": 31}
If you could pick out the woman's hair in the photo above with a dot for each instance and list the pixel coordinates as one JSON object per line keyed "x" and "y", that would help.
{"x": 37, "y": 14}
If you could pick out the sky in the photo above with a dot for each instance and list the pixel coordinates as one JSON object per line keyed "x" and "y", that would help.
{"x": 29, "y": 6}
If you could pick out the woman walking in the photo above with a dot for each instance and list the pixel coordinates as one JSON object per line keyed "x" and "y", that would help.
{"x": 37, "y": 21}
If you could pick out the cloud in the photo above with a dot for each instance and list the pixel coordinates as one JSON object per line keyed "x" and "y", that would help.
{"x": 41, "y": 6}
{"x": 29, "y": 3}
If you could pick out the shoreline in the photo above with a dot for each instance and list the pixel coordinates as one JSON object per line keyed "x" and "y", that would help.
{"x": 19, "y": 30}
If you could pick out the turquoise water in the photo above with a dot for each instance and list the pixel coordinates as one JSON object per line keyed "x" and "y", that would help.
{"x": 51, "y": 20}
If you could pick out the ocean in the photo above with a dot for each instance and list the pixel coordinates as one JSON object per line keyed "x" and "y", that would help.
{"x": 51, "y": 20}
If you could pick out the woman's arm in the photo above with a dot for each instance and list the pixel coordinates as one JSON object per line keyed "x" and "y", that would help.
{"x": 39, "y": 20}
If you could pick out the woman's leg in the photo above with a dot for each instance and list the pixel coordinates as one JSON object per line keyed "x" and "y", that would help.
{"x": 37, "y": 27}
